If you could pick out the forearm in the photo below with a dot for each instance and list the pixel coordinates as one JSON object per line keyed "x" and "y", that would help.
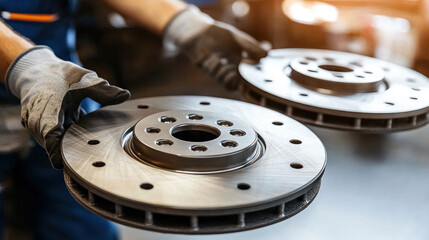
{"x": 151, "y": 14}
{"x": 11, "y": 45}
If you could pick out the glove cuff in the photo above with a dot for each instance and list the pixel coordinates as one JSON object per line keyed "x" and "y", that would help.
{"x": 184, "y": 26}
{"x": 25, "y": 60}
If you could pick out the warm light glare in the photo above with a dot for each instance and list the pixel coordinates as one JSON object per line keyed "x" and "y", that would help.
{"x": 391, "y": 23}
{"x": 310, "y": 12}
{"x": 240, "y": 8}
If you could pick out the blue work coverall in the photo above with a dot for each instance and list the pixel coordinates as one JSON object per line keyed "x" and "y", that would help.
{"x": 59, "y": 216}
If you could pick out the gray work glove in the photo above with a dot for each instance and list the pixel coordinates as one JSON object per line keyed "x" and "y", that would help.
{"x": 51, "y": 91}
{"x": 214, "y": 46}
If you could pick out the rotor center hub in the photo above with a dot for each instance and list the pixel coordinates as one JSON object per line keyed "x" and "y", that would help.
{"x": 194, "y": 141}
{"x": 336, "y": 74}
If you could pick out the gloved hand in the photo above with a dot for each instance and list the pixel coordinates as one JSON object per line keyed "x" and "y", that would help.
{"x": 51, "y": 91}
{"x": 214, "y": 46}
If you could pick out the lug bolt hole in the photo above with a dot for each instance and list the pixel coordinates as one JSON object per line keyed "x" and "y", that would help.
{"x": 165, "y": 119}
{"x": 229, "y": 144}
{"x": 194, "y": 116}
{"x": 198, "y": 148}
{"x": 224, "y": 123}
{"x": 152, "y": 130}
{"x": 237, "y": 132}
{"x": 164, "y": 142}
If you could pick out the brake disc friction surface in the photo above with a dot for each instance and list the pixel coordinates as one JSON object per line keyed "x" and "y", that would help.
{"x": 338, "y": 90}
{"x": 192, "y": 165}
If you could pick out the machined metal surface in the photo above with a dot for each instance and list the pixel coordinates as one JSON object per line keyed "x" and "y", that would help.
{"x": 338, "y": 90}
{"x": 116, "y": 167}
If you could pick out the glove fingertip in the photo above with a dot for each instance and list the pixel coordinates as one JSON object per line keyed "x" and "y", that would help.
{"x": 257, "y": 53}
{"x": 53, "y": 147}
{"x": 121, "y": 96}
{"x": 54, "y": 154}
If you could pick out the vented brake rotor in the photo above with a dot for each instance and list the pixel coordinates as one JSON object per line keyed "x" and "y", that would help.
{"x": 194, "y": 165}
{"x": 338, "y": 90}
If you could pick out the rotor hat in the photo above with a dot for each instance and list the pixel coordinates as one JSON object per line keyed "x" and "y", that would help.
{"x": 195, "y": 141}
{"x": 193, "y": 165}
{"x": 338, "y": 90}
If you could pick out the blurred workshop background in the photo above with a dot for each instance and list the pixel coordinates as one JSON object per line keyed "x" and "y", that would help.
{"x": 394, "y": 30}
{"x": 392, "y": 200}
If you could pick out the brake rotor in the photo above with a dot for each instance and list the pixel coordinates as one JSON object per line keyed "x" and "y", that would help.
{"x": 193, "y": 165}
{"x": 338, "y": 90}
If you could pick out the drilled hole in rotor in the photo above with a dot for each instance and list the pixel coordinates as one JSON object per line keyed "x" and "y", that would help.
{"x": 278, "y": 123}
{"x": 268, "y": 80}
{"x": 329, "y": 59}
{"x": 237, "y": 132}
{"x": 164, "y": 142}
{"x": 143, "y": 106}
{"x": 413, "y": 98}
{"x": 303, "y": 62}
{"x": 195, "y": 132}
{"x": 152, "y": 130}
{"x": 243, "y": 186}
{"x": 98, "y": 164}
{"x": 198, "y": 148}
{"x": 356, "y": 63}
{"x": 93, "y": 142}
{"x": 389, "y": 103}
{"x": 313, "y": 70}
{"x": 224, "y": 123}
{"x": 335, "y": 68}
{"x": 303, "y": 94}
{"x": 368, "y": 72}
{"x": 146, "y": 186}
{"x": 229, "y": 144}
{"x": 165, "y": 119}
{"x": 311, "y": 58}
{"x": 296, "y": 165}
{"x": 205, "y": 103}
{"x": 416, "y": 89}
{"x": 194, "y": 116}
{"x": 360, "y": 76}
{"x": 295, "y": 141}
{"x": 338, "y": 75}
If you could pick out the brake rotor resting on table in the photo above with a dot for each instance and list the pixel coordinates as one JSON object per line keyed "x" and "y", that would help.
{"x": 338, "y": 90}
{"x": 193, "y": 165}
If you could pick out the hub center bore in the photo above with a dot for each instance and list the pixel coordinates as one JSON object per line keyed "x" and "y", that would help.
{"x": 195, "y": 132}
{"x": 195, "y": 141}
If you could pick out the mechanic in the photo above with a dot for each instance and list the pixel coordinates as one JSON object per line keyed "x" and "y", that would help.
{"x": 41, "y": 68}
